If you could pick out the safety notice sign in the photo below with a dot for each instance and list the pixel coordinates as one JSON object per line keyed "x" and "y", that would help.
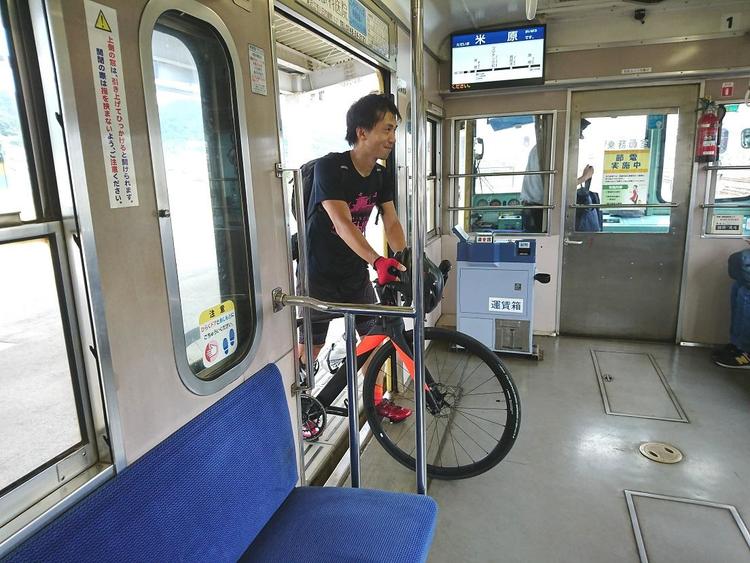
{"x": 218, "y": 330}
{"x": 109, "y": 85}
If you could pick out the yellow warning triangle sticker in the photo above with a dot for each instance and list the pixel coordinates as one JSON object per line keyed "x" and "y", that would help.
{"x": 101, "y": 23}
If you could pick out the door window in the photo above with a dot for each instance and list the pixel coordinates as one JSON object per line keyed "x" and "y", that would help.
{"x": 633, "y": 160}
{"x": 494, "y": 158}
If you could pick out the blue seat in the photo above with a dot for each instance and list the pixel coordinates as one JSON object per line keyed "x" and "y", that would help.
{"x": 330, "y": 524}
{"x": 222, "y": 488}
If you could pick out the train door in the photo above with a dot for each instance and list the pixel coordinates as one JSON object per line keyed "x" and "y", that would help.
{"x": 625, "y": 229}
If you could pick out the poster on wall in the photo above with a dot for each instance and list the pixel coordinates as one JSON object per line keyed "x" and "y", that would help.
{"x": 356, "y": 20}
{"x": 625, "y": 169}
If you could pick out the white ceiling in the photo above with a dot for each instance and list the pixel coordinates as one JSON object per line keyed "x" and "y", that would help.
{"x": 442, "y": 17}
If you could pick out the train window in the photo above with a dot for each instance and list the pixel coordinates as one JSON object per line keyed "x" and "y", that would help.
{"x": 38, "y": 407}
{"x": 202, "y": 199}
{"x": 495, "y": 154}
{"x": 433, "y": 129}
{"x": 47, "y": 437}
{"x": 16, "y": 199}
{"x": 633, "y": 157}
{"x": 729, "y": 182}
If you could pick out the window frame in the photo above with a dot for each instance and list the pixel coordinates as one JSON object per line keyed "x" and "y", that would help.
{"x": 709, "y": 199}
{"x": 435, "y": 173}
{"x": 57, "y": 471}
{"x": 153, "y": 11}
{"x": 549, "y": 188}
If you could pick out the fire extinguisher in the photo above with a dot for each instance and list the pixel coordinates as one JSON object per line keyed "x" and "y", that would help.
{"x": 707, "y": 144}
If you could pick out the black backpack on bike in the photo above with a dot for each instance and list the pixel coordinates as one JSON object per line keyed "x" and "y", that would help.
{"x": 308, "y": 175}
{"x": 308, "y": 172}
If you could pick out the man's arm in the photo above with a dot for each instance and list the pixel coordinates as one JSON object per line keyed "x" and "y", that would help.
{"x": 394, "y": 232}
{"x": 341, "y": 218}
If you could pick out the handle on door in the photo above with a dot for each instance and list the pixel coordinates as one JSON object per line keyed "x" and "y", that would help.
{"x": 567, "y": 241}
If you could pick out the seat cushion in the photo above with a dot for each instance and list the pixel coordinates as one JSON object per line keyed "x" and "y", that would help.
{"x": 342, "y": 524}
{"x": 201, "y": 495}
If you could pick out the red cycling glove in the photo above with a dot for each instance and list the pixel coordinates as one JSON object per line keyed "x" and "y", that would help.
{"x": 384, "y": 267}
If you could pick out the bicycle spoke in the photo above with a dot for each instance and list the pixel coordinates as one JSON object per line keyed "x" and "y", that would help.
{"x": 453, "y": 443}
{"x": 426, "y": 432}
{"x": 456, "y": 368}
{"x": 480, "y": 364}
{"x": 481, "y": 418}
{"x": 486, "y": 381}
{"x": 433, "y": 436}
{"x": 440, "y": 454}
{"x": 470, "y": 438}
{"x": 475, "y": 424}
{"x": 405, "y": 433}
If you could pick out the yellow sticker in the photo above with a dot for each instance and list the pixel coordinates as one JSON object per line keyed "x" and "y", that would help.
{"x": 218, "y": 330}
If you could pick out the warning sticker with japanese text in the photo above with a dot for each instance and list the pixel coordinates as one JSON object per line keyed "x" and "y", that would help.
{"x": 218, "y": 328}
{"x": 109, "y": 85}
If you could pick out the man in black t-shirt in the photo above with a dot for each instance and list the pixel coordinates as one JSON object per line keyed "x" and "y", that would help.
{"x": 346, "y": 187}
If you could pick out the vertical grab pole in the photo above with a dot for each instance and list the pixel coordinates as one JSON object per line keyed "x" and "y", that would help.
{"x": 417, "y": 237}
{"x": 351, "y": 391}
{"x": 301, "y": 212}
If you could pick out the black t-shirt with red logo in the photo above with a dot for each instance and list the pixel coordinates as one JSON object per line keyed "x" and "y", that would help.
{"x": 330, "y": 260}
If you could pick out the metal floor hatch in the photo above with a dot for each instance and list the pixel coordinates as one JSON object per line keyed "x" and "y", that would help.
{"x": 632, "y": 384}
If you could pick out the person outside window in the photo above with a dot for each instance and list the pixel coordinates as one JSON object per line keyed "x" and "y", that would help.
{"x": 588, "y": 219}
{"x": 532, "y": 193}
{"x": 346, "y": 187}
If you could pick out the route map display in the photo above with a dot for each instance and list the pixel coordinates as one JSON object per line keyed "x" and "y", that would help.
{"x": 504, "y": 57}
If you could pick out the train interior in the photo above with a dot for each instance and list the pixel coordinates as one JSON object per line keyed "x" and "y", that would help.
{"x": 148, "y": 153}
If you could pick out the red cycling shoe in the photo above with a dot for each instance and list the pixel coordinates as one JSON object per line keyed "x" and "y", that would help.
{"x": 392, "y": 411}
{"x": 310, "y": 430}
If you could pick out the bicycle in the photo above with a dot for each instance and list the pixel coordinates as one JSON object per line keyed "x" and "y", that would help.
{"x": 472, "y": 405}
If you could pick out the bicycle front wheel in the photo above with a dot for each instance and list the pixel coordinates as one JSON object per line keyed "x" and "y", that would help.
{"x": 472, "y": 414}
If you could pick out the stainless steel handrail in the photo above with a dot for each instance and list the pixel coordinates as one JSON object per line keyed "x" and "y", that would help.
{"x": 283, "y": 299}
{"x": 723, "y": 206}
{"x": 301, "y": 213}
{"x": 352, "y": 396}
{"x": 499, "y": 208}
{"x": 419, "y": 165}
{"x": 490, "y": 174}
{"x": 719, "y": 167}
{"x": 622, "y": 205}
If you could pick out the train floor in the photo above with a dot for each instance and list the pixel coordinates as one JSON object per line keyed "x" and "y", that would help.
{"x": 576, "y": 488}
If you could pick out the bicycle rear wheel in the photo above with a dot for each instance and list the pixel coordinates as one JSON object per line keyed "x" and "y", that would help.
{"x": 473, "y": 419}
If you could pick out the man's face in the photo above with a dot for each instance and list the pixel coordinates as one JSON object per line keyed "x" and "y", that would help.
{"x": 381, "y": 139}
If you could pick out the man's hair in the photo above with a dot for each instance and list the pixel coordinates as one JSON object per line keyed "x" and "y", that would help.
{"x": 366, "y": 112}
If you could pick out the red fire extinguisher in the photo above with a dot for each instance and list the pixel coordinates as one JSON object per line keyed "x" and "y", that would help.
{"x": 707, "y": 144}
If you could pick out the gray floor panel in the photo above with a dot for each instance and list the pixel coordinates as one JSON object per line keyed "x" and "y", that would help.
{"x": 559, "y": 494}
{"x": 632, "y": 384}
{"x": 675, "y": 530}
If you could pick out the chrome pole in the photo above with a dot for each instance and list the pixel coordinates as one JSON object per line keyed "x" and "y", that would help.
{"x": 419, "y": 166}
{"x": 351, "y": 392}
{"x": 301, "y": 212}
